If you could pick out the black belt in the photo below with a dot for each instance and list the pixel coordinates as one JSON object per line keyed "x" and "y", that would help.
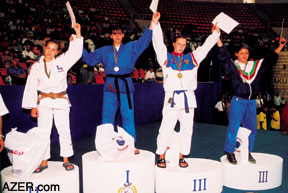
{"x": 122, "y": 77}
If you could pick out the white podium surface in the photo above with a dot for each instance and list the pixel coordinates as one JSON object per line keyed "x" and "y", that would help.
{"x": 202, "y": 175}
{"x": 53, "y": 179}
{"x": 134, "y": 175}
{"x": 265, "y": 174}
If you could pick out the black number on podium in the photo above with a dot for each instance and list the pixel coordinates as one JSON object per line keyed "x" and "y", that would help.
{"x": 263, "y": 176}
{"x": 200, "y": 184}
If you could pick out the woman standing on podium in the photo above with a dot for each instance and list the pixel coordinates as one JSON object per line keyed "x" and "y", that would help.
{"x": 48, "y": 77}
{"x": 180, "y": 82}
{"x": 245, "y": 77}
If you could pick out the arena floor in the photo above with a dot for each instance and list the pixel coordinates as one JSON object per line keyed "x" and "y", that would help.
{"x": 207, "y": 142}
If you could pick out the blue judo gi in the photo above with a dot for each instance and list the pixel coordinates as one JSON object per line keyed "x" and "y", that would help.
{"x": 118, "y": 87}
{"x": 245, "y": 85}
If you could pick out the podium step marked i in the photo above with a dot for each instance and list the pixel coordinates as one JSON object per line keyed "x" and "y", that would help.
{"x": 134, "y": 175}
{"x": 53, "y": 179}
{"x": 202, "y": 175}
{"x": 265, "y": 174}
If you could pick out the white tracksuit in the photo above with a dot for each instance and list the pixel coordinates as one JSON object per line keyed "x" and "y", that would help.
{"x": 58, "y": 108}
{"x": 176, "y": 107}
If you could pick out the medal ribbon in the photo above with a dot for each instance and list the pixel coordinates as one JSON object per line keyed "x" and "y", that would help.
{"x": 242, "y": 72}
{"x": 178, "y": 64}
{"x": 115, "y": 55}
{"x": 46, "y": 71}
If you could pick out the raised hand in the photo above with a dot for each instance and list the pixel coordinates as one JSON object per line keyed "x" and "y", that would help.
{"x": 215, "y": 27}
{"x": 282, "y": 41}
{"x": 156, "y": 17}
{"x": 77, "y": 28}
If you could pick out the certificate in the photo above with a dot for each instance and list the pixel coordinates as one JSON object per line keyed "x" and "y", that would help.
{"x": 224, "y": 22}
{"x": 70, "y": 11}
{"x": 154, "y": 5}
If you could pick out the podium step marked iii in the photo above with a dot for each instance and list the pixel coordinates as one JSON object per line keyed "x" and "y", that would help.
{"x": 134, "y": 175}
{"x": 54, "y": 179}
{"x": 202, "y": 175}
{"x": 265, "y": 174}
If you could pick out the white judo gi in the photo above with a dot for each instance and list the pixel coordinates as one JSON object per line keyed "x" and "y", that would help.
{"x": 180, "y": 101}
{"x": 49, "y": 108}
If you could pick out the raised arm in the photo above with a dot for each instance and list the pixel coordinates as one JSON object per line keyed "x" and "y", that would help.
{"x": 155, "y": 19}
{"x": 74, "y": 52}
{"x": 201, "y": 52}
{"x": 158, "y": 42}
{"x": 271, "y": 57}
{"x": 140, "y": 45}
{"x": 77, "y": 28}
{"x": 224, "y": 58}
{"x": 92, "y": 58}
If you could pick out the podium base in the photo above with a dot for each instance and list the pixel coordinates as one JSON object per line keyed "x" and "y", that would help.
{"x": 54, "y": 179}
{"x": 134, "y": 175}
{"x": 202, "y": 175}
{"x": 265, "y": 174}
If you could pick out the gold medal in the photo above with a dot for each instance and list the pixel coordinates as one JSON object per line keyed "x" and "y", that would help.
{"x": 244, "y": 80}
{"x": 178, "y": 65}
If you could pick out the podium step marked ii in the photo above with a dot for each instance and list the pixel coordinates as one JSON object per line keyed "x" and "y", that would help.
{"x": 54, "y": 179}
{"x": 265, "y": 174}
{"x": 202, "y": 175}
{"x": 134, "y": 175}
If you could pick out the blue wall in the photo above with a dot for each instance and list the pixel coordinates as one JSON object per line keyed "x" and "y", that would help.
{"x": 86, "y": 107}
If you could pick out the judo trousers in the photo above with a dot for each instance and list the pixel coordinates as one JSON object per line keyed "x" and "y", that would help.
{"x": 110, "y": 107}
{"x": 242, "y": 112}
{"x": 169, "y": 120}
{"x": 62, "y": 123}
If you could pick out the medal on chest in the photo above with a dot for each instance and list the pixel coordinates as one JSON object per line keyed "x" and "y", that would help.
{"x": 179, "y": 75}
{"x": 242, "y": 73}
{"x": 116, "y": 68}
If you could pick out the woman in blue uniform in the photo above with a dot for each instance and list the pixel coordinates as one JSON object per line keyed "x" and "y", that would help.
{"x": 119, "y": 61}
{"x": 245, "y": 77}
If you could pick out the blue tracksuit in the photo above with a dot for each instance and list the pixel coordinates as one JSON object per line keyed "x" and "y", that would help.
{"x": 118, "y": 87}
{"x": 245, "y": 85}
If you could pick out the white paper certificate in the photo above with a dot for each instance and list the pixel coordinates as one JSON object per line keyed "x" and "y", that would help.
{"x": 154, "y": 5}
{"x": 70, "y": 11}
{"x": 226, "y": 23}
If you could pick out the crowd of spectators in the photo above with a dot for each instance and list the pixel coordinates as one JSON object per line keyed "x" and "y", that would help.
{"x": 21, "y": 40}
{"x": 23, "y": 34}
{"x": 27, "y": 23}
{"x": 272, "y": 112}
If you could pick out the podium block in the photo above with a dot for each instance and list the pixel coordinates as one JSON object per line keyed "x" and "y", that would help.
{"x": 265, "y": 174}
{"x": 54, "y": 179}
{"x": 134, "y": 175}
{"x": 202, "y": 175}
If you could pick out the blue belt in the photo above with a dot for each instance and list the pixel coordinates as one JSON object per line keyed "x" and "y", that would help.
{"x": 185, "y": 99}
